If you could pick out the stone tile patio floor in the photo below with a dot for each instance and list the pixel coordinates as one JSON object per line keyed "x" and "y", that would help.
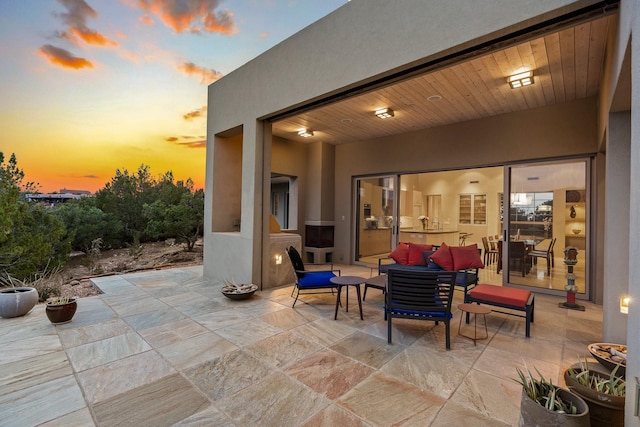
{"x": 165, "y": 347}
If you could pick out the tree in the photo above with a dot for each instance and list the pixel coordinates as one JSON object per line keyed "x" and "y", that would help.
{"x": 184, "y": 220}
{"x": 31, "y": 237}
{"x": 124, "y": 196}
{"x": 85, "y": 223}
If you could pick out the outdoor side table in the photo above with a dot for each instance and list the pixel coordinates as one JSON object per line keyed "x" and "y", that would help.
{"x": 348, "y": 281}
{"x": 476, "y": 310}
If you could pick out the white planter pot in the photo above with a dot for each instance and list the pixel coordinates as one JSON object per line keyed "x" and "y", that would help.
{"x": 16, "y": 302}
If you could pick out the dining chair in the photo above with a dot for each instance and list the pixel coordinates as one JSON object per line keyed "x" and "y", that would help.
{"x": 492, "y": 244}
{"x": 547, "y": 254}
{"x": 490, "y": 255}
{"x": 519, "y": 257}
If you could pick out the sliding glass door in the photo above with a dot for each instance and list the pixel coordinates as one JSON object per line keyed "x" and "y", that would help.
{"x": 376, "y": 210}
{"x": 547, "y": 212}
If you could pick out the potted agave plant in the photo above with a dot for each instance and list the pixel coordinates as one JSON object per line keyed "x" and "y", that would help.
{"x": 604, "y": 393}
{"x": 61, "y": 310}
{"x": 544, "y": 404}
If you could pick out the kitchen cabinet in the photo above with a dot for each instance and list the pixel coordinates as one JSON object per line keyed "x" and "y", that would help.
{"x": 375, "y": 241}
{"x": 473, "y": 209}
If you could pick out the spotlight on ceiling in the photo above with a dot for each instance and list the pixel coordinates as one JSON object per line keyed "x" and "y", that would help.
{"x": 305, "y": 132}
{"x": 384, "y": 113}
{"x": 520, "y": 80}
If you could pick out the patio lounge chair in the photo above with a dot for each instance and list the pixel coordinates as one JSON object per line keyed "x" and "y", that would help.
{"x": 420, "y": 295}
{"x": 318, "y": 282}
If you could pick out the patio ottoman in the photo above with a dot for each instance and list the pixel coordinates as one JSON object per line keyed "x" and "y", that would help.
{"x": 503, "y": 297}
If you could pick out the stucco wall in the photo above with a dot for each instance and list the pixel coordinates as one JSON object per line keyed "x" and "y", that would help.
{"x": 290, "y": 158}
{"x": 562, "y": 130}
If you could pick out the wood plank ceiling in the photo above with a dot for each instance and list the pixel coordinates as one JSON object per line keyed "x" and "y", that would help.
{"x": 567, "y": 66}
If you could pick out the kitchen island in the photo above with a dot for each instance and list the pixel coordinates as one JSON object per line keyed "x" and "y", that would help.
{"x": 375, "y": 241}
{"x": 432, "y": 237}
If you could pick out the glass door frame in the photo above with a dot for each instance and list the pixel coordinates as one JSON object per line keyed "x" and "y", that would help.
{"x": 357, "y": 213}
{"x": 559, "y": 247}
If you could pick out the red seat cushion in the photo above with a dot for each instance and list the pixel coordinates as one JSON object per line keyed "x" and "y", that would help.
{"x": 501, "y": 295}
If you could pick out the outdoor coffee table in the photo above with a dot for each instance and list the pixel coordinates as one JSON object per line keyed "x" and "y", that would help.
{"x": 348, "y": 281}
{"x": 476, "y": 310}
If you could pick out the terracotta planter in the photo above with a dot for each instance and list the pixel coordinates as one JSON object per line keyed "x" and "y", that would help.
{"x": 604, "y": 409}
{"x": 61, "y": 313}
{"x": 534, "y": 414}
{"x": 16, "y": 302}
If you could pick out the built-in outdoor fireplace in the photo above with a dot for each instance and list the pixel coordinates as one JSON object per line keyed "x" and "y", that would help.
{"x": 318, "y": 241}
{"x": 318, "y": 236}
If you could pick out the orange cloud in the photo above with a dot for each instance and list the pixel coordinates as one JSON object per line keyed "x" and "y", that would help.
{"x": 64, "y": 58}
{"x": 92, "y": 37}
{"x": 78, "y": 11}
{"x": 264, "y": 34}
{"x": 195, "y": 113}
{"x": 200, "y": 143}
{"x": 180, "y": 15}
{"x": 207, "y": 75}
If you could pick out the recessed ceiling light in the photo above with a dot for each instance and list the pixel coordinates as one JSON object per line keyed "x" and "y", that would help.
{"x": 434, "y": 98}
{"x": 520, "y": 80}
{"x": 305, "y": 132}
{"x": 384, "y": 113}
{"x": 346, "y": 121}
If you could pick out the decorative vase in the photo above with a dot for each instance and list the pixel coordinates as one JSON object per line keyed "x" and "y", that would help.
{"x": 604, "y": 409}
{"x": 534, "y": 414}
{"x": 16, "y": 302}
{"x": 61, "y": 313}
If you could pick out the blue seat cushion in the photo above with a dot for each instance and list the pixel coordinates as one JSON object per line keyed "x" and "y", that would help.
{"x": 463, "y": 279}
{"x": 316, "y": 279}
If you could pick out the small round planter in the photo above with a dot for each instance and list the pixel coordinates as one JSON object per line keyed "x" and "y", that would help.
{"x": 16, "y": 302}
{"x": 534, "y": 414}
{"x": 604, "y": 409}
{"x": 239, "y": 293}
{"x": 61, "y": 313}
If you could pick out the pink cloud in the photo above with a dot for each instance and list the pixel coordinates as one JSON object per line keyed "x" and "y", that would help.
{"x": 146, "y": 19}
{"x": 207, "y": 75}
{"x": 64, "y": 58}
{"x": 180, "y": 15}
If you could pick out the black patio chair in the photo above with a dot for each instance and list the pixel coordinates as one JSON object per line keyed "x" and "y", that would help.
{"x": 420, "y": 295}
{"x": 318, "y": 282}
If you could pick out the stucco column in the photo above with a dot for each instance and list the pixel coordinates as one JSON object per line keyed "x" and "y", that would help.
{"x": 252, "y": 222}
{"x": 233, "y": 250}
{"x": 633, "y": 329}
{"x": 616, "y": 229}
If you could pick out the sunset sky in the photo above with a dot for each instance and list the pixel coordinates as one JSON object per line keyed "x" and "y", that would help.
{"x": 91, "y": 86}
